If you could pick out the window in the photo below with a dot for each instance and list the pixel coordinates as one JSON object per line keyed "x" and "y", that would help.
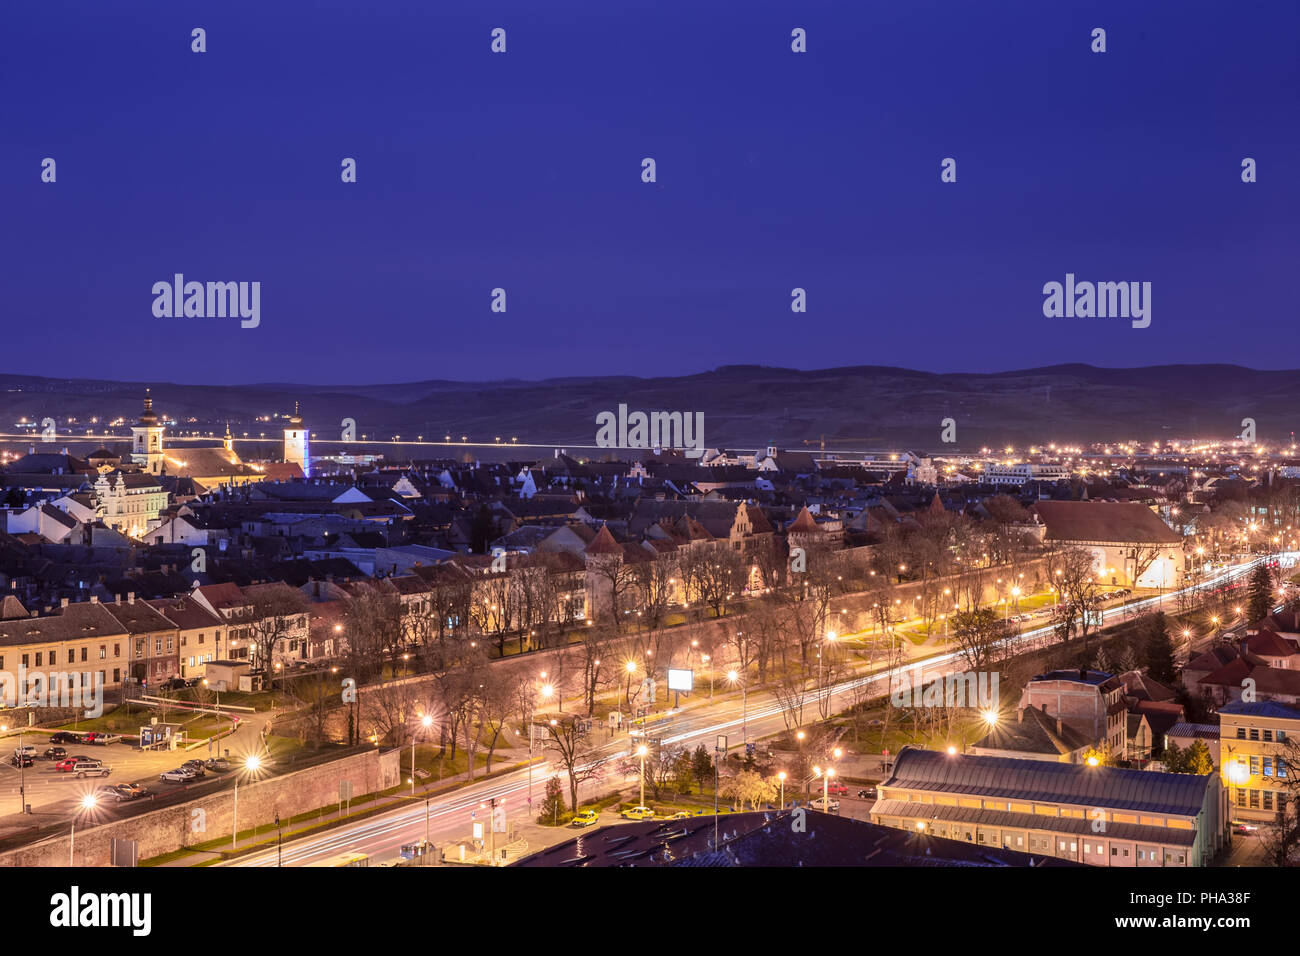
{"x": 169, "y": 643}
{"x": 1268, "y": 766}
{"x": 1254, "y": 799}
{"x": 1254, "y": 765}
{"x": 117, "y": 675}
{"x": 1241, "y": 797}
{"x": 1268, "y": 735}
{"x": 139, "y": 648}
{"x": 200, "y": 637}
{"x": 1268, "y": 799}
{"x": 1281, "y": 736}
{"x": 117, "y": 650}
{"x": 84, "y": 652}
{"x": 38, "y": 658}
{"x": 25, "y": 661}
{"x": 157, "y": 645}
{"x": 72, "y": 655}
{"x": 1254, "y": 733}
{"x": 103, "y": 651}
{"x": 191, "y": 662}
{"x": 1281, "y": 763}
{"x": 1241, "y": 733}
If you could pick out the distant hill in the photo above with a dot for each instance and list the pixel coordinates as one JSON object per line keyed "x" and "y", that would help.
{"x": 854, "y": 406}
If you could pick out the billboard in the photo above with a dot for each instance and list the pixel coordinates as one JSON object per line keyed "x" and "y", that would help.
{"x": 681, "y": 680}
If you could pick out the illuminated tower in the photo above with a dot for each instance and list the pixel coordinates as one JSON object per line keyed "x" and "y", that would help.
{"x": 296, "y": 442}
{"x": 147, "y": 439}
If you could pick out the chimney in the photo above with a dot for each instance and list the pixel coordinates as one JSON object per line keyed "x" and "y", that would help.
{"x": 94, "y": 599}
{"x": 63, "y": 602}
{"x": 117, "y": 599}
{"x": 130, "y": 597}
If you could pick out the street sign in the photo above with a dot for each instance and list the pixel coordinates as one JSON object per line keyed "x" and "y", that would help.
{"x": 721, "y": 744}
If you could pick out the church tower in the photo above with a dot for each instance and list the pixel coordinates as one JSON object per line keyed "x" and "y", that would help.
{"x": 147, "y": 439}
{"x": 229, "y": 440}
{"x": 296, "y": 442}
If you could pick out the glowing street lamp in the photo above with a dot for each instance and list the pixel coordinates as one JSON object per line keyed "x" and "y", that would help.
{"x": 641, "y": 752}
{"x": 88, "y": 802}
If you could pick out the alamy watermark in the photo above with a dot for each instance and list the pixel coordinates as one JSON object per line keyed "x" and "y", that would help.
{"x": 1102, "y": 300}
{"x": 53, "y": 689}
{"x": 208, "y": 300}
{"x": 680, "y": 430}
{"x": 958, "y": 689}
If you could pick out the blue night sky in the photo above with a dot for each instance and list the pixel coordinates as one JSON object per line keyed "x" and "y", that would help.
{"x": 522, "y": 170}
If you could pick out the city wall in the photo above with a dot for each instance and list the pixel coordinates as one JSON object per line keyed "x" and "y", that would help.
{"x": 211, "y": 817}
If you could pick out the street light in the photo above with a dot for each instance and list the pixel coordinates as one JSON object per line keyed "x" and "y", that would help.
{"x": 251, "y": 765}
{"x": 734, "y": 678}
{"x": 22, "y": 766}
{"x": 781, "y": 776}
{"x": 641, "y": 752}
{"x": 88, "y": 802}
{"x": 426, "y": 722}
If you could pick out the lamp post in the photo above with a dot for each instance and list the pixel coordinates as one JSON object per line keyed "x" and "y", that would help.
{"x": 22, "y": 779}
{"x": 426, "y": 722}
{"x": 88, "y": 802}
{"x": 630, "y": 667}
{"x": 734, "y": 678}
{"x": 781, "y": 776}
{"x": 641, "y": 752}
{"x": 251, "y": 764}
{"x": 279, "y": 842}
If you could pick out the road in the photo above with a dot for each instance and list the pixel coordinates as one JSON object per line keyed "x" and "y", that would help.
{"x": 450, "y": 816}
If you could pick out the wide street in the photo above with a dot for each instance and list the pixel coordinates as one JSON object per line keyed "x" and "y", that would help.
{"x": 449, "y": 817}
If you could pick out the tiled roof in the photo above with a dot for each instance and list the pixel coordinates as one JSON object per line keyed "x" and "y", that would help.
{"x": 1104, "y": 521}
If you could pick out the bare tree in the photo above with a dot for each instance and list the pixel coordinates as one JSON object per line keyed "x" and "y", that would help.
{"x": 569, "y": 741}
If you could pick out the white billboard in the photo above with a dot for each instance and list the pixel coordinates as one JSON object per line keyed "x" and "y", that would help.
{"x": 681, "y": 680}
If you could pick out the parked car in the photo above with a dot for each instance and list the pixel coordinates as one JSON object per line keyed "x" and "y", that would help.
{"x": 92, "y": 768}
{"x": 21, "y": 760}
{"x": 679, "y": 815}
{"x": 867, "y": 793}
{"x": 585, "y": 818}
{"x": 638, "y": 813}
{"x": 174, "y": 683}
{"x": 196, "y": 767}
{"x": 55, "y": 753}
{"x": 69, "y": 764}
{"x": 65, "y": 737}
{"x": 179, "y": 775}
{"x": 217, "y": 764}
{"x": 27, "y": 750}
{"x": 837, "y": 788}
{"x": 833, "y": 806}
{"x": 99, "y": 739}
{"x": 128, "y": 791}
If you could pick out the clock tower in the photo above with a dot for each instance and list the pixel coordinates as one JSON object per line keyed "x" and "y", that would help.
{"x": 147, "y": 439}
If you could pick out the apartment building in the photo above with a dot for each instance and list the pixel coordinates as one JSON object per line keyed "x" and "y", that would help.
{"x": 1253, "y": 739}
{"x": 38, "y": 653}
{"x": 201, "y": 634}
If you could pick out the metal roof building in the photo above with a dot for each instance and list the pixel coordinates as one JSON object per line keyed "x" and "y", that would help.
{"x": 1104, "y": 816}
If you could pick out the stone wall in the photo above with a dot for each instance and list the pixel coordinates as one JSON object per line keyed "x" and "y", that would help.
{"x": 210, "y": 817}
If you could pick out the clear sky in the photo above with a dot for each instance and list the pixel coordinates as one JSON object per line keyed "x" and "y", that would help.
{"x": 523, "y": 171}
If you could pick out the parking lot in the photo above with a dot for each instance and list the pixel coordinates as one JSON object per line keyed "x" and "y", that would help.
{"x": 54, "y": 794}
